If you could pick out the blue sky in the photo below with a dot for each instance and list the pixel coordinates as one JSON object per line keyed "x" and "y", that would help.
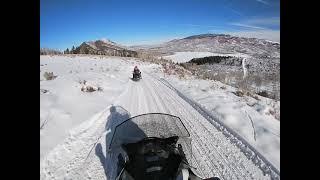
{"x": 64, "y": 23}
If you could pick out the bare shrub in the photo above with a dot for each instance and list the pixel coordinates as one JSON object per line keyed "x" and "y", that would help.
{"x": 257, "y": 80}
{"x": 43, "y": 91}
{"x": 88, "y": 89}
{"x": 253, "y": 96}
{"x": 239, "y": 93}
{"x": 82, "y": 82}
{"x": 243, "y": 88}
{"x": 251, "y": 104}
{"x": 204, "y": 90}
{"x": 263, "y": 93}
{"x": 49, "y": 76}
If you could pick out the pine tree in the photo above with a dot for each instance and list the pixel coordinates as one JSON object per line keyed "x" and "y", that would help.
{"x": 66, "y": 51}
{"x": 72, "y": 50}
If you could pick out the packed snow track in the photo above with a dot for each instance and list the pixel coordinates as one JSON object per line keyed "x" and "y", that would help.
{"x": 83, "y": 154}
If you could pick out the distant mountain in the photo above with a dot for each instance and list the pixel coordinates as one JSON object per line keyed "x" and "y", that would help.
{"x": 259, "y": 58}
{"x": 104, "y": 47}
{"x": 216, "y": 43}
{"x": 48, "y": 51}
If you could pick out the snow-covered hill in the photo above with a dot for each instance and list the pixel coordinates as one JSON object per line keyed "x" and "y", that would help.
{"x": 72, "y": 119}
{"x": 216, "y": 43}
{"x": 104, "y": 47}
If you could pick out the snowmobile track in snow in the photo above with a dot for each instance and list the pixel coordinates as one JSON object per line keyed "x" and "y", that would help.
{"x": 236, "y": 139}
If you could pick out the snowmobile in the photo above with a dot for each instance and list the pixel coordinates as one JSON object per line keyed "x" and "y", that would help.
{"x": 136, "y": 74}
{"x": 152, "y": 146}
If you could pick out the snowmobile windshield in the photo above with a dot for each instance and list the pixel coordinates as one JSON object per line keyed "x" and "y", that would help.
{"x": 144, "y": 126}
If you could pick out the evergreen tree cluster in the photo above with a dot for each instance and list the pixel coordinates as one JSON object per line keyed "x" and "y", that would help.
{"x": 85, "y": 49}
{"x": 72, "y": 51}
{"x": 209, "y": 60}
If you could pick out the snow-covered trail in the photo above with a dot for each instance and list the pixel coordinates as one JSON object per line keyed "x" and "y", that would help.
{"x": 212, "y": 153}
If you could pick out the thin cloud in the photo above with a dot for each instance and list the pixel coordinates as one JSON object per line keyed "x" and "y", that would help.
{"x": 218, "y": 31}
{"x": 197, "y": 25}
{"x": 258, "y": 28}
{"x": 264, "y": 21}
{"x": 233, "y": 10}
{"x": 263, "y": 2}
{"x": 237, "y": 12}
{"x": 258, "y": 23}
{"x": 272, "y": 35}
{"x": 246, "y": 26}
{"x": 151, "y": 41}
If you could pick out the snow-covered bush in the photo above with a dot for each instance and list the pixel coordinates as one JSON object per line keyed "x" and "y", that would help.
{"x": 263, "y": 93}
{"x": 49, "y": 76}
{"x": 239, "y": 93}
{"x": 43, "y": 91}
{"x": 88, "y": 89}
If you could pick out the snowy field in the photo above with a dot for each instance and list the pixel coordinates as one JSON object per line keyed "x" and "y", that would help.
{"x": 64, "y": 105}
{"x": 251, "y": 118}
{"x": 71, "y": 120}
{"x": 181, "y": 57}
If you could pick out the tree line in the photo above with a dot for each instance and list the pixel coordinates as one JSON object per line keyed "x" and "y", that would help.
{"x": 47, "y": 51}
{"x": 72, "y": 51}
{"x": 208, "y": 60}
{"x": 110, "y": 52}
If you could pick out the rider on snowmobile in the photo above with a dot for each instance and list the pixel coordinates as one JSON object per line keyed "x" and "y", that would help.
{"x": 136, "y": 72}
{"x": 136, "y": 69}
